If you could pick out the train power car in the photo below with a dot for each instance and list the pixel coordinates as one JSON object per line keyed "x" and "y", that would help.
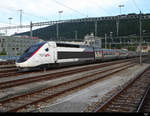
{"x": 49, "y": 53}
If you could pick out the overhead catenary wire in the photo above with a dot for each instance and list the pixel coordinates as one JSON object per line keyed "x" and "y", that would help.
{"x": 25, "y": 13}
{"x": 99, "y": 6}
{"x": 70, "y": 8}
{"x": 136, "y": 5}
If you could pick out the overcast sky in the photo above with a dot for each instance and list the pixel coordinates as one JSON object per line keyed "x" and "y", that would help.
{"x": 47, "y": 10}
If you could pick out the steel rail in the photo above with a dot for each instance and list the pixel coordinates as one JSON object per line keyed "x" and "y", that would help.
{"x": 143, "y": 99}
{"x": 112, "y": 98}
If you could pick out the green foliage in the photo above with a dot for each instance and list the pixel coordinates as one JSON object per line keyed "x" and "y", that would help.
{"x": 3, "y": 52}
{"x": 18, "y": 54}
{"x": 118, "y": 46}
{"x": 131, "y": 48}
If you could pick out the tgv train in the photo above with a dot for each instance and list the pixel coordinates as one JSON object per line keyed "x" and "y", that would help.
{"x": 52, "y": 53}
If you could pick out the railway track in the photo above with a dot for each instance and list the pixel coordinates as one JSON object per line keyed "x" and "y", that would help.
{"x": 59, "y": 74}
{"x": 129, "y": 97}
{"x": 7, "y": 62}
{"x": 5, "y": 71}
{"x": 16, "y": 103}
{"x": 13, "y": 71}
{"x": 144, "y": 105}
{"x": 2, "y": 67}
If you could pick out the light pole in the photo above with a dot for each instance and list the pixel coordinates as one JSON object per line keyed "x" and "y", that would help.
{"x": 57, "y": 26}
{"x": 117, "y": 22}
{"x": 31, "y": 25}
{"x": 10, "y": 18}
{"x": 121, "y": 5}
{"x": 20, "y": 16}
{"x": 61, "y": 11}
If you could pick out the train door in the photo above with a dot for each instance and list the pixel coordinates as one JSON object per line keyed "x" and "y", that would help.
{"x": 98, "y": 53}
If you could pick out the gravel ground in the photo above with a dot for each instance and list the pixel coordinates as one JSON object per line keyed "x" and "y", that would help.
{"x": 84, "y": 99}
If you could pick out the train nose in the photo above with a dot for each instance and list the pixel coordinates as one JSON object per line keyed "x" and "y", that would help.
{"x": 19, "y": 64}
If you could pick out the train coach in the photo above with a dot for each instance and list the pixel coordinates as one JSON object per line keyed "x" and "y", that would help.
{"x": 52, "y": 53}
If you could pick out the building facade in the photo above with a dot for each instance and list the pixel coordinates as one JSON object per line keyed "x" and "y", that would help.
{"x": 15, "y": 45}
{"x": 92, "y": 40}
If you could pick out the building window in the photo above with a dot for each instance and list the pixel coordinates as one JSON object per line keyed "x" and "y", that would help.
{"x": 17, "y": 49}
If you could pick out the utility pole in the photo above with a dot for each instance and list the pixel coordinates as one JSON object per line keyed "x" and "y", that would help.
{"x": 10, "y": 18}
{"x": 117, "y": 25}
{"x": 140, "y": 43}
{"x": 20, "y": 16}
{"x": 31, "y": 25}
{"x": 111, "y": 39}
{"x": 57, "y": 26}
{"x": 57, "y": 31}
{"x": 76, "y": 34}
{"x": 95, "y": 28}
{"x": 105, "y": 40}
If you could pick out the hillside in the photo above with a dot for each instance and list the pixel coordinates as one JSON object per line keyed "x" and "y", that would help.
{"x": 67, "y": 30}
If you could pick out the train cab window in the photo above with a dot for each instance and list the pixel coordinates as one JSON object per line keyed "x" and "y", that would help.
{"x": 30, "y": 51}
{"x": 46, "y": 49}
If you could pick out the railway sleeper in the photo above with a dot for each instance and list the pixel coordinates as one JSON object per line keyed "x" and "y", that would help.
{"x": 147, "y": 103}
{"x": 21, "y": 102}
{"x": 36, "y": 96}
{"x": 122, "y": 107}
{"x": 147, "y": 107}
{"x": 3, "y": 109}
{"x": 45, "y": 93}
{"x": 146, "y": 75}
{"x": 139, "y": 85}
{"x": 124, "y": 104}
{"x": 8, "y": 106}
{"x": 126, "y": 101}
{"x": 129, "y": 98}
{"x": 136, "y": 91}
{"x": 118, "y": 109}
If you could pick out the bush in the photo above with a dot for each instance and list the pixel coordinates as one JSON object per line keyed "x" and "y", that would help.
{"x": 3, "y": 52}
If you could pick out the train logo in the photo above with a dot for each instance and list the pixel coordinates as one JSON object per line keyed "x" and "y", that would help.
{"x": 46, "y": 55}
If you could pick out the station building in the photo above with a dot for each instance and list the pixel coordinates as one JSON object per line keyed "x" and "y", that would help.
{"x": 16, "y": 45}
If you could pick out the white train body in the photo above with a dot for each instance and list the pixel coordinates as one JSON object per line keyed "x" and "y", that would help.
{"x": 47, "y": 53}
